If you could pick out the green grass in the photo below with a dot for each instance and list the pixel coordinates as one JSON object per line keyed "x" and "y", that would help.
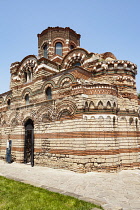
{"x": 19, "y": 196}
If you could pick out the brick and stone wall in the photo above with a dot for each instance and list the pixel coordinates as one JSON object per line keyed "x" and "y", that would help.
{"x": 91, "y": 121}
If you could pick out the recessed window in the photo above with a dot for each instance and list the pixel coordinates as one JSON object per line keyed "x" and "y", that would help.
{"x": 27, "y": 99}
{"x": 49, "y": 93}
{"x": 77, "y": 64}
{"x": 45, "y": 51}
{"x": 58, "y": 48}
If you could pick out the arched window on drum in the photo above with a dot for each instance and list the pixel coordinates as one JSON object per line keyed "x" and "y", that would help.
{"x": 58, "y": 48}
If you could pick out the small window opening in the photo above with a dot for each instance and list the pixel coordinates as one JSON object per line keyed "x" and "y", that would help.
{"x": 49, "y": 93}
{"x": 45, "y": 48}
{"x": 58, "y": 48}
{"x": 9, "y": 103}
{"x": 27, "y": 99}
{"x": 25, "y": 74}
{"x": 114, "y": 121}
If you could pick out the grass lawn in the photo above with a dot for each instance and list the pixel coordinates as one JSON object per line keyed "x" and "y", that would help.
{"x": 20, "y": 196}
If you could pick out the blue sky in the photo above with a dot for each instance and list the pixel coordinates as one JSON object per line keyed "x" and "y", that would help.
{"x": 104, "y": 25}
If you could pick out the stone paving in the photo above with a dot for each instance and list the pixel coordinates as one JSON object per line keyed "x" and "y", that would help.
{"x": 113, "y": 191}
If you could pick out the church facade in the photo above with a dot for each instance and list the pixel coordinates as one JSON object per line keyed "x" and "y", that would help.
{"x": 72, "y": 109}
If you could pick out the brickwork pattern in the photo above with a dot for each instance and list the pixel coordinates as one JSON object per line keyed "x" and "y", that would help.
{"x": 92, "y": 120}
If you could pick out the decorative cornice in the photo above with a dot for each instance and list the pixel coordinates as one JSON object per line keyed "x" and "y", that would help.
{"x": 115, "y": 64}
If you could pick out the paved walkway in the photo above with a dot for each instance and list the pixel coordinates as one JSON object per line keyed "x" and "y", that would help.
{"x": 113, "y": 191}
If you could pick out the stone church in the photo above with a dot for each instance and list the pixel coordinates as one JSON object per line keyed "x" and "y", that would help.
{"x": 72, "y": 109}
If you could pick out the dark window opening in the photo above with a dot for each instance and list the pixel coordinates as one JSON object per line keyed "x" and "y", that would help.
{"x": 45, "y": 48}
{"x": 25, "y": 74}
{"x": 27, "y": 99}
{"x": 136, "y": 123}
{"x": 49, "y": 93}
{"x": 114, "y": 121}
{"x": 9, "y": 103}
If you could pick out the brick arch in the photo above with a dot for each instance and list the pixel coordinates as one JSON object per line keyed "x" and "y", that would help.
{"x": 44, "y": 111}
{"x": 63, "y": 77}
{"x": 27, "y": 58}
{"x": 64, "y": 106}
{"x": 58, "y": 40}
{"x": 77, "y": 54}
{"x": 29, "y": 61}
{"x": 9, "y": 96}
{"x": 48, "y": 84}
{"x": 12, "y": 116}
{"x": 27, "y": 91}
{"x": 28, "y": 117}
{"x": 44, "y": 43}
